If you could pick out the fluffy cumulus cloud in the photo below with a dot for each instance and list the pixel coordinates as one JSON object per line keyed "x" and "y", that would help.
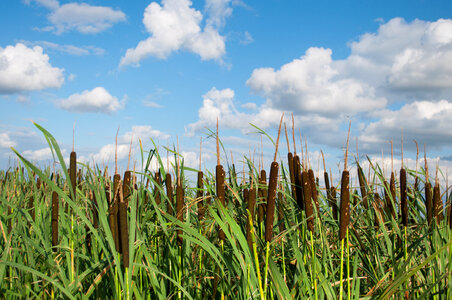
{"x": 39, "y": 154}
{"x": 426, "y": 121}
{"x": 398, "y": 77}
{"x": 143, "y": 133}
{"x": 81, "y": 17}
{"x": 312, "y": 85}
{"x": 6, "y": 141}
{"x": 221, "y": 104}
{"x": 97, "y": 100}
{"x": 176, "y": 25}
{"x": 413, "y": 59}
{"x": 85, "y": 18}
{"x": 25, "y": 69}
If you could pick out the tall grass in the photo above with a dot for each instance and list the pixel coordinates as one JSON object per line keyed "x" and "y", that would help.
{"x": 165, "y": 255}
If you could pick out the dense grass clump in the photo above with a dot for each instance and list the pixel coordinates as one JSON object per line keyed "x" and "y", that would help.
{"x": 157, "y": 235}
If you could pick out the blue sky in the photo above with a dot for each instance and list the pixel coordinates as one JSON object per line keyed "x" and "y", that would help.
{"x": 167, "y": 69}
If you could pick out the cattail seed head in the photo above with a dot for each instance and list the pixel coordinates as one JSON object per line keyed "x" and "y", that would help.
{"x": 271, "y": 201}
{"x": 345, "y": 204}
{"x": 403, "y": 197}
{"x": 309, "y": 209}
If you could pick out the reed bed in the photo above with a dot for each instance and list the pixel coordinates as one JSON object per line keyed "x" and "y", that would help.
{"x": 149, "y": 238}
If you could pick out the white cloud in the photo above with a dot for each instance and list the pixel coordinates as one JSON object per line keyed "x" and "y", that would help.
{"x": 311, "y": 84}
{"x": 106, "y": 153}
{"x": 221, "y": 104}
{"x": 84, "y": 18}
{"x": 69, "y": 49}
{"x": 38, "y": 155}
{"x": 425, "y": 121}
{"x": 175, "y": 25}
{"x": 6, "y": 141}
{"x": 97, "y": 100}
{"x": 27, "y": 69}
{"x": 218, "y": 11}
{"x": 405, "y": 58}
{"x": 143, "y": 132}
{"x": 50, "y": 4}
{"x": 152, "y": 104}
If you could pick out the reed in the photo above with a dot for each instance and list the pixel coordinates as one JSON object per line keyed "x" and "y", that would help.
{"x": 55, "y": 209}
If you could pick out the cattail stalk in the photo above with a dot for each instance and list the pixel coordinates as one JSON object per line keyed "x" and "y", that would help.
{"x": 199, "y": 196}
{"x": 169, "y": 193}
{"x": 55, "y": 208}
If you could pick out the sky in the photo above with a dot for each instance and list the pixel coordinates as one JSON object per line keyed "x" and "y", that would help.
{"x": 167, "y": 70}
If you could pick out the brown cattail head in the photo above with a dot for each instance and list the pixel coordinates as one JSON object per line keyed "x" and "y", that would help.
{"x": 314, "y": 192}
{"x": 262, "y": 194}
{"x": 199, "y": 196}
{"x": 55, "y": 205}
{"x": 297, "y": 169}
{"x": 124, "y": 233}
{"x": 179, "y": 208}
{"x": 271, "y": 200}
{"x": 157, "y": 186}
{"x": 334, "y": 203}
{"x": 169, "y": 193}
{"x": 345, "y": 205}
{"x": 291, "y": 174}
{"x": 403, "y": 197}
{"x": 392, "y": 190}
{"x": 73, "y": 173}
{"x": 428, "y": 202}
{"x": 307, "y": 194}
{"x": 250, "y": 208}
{"x": 437, "y": 203}
{"x": 126, "y": 186}
{"x": 114, "y": 209}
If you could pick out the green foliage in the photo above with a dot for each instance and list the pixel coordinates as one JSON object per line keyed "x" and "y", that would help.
{"x": 384, "y": 260}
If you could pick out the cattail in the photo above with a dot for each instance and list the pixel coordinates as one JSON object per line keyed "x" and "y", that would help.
{"x": 298, "y": 182}
{"x": 113, "y": 217}
{"x": 345, "y": 195}
{"x": 307, "y": 194}
{"x": 428, "y": 202}
{"x": 31, "y": 207}
{"x": 55, "y": 204}
{"x": 334, "y": 203}
{"x": 124, "y": 233}
{"x": 73, "y": 173}
{"x": 157, "y": 186}
{"x": 449, "y": 201}
{"x": 126, "y": 186}
{"x": 169, "y": 193}
{"x": 179, "y": 208}
{"x": 437, "y": 203}
{"x": 345, "y": 204}
{"x": 251, "y": 205}
{"x": 271, "y": 200}
{"x": 219, "y": 172}
{"x": 261, "y": 192}
{"x": 403, "y": 196}
{"x": 314, "y": 192}
{"x": 378, "y": 214}
{"x": 199, "y": 196}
